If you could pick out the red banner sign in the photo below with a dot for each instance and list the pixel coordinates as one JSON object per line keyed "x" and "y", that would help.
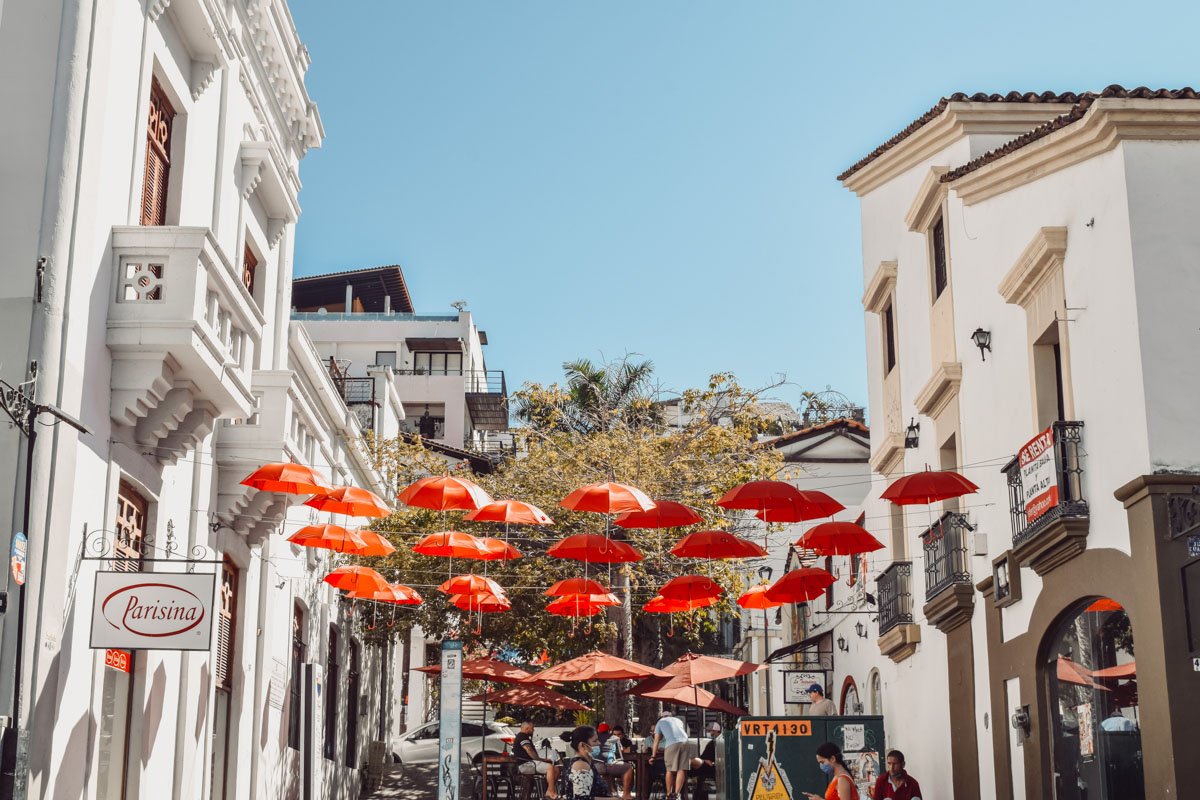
{"x": 117, "y": 659}
{"x": 1039, "y": 475}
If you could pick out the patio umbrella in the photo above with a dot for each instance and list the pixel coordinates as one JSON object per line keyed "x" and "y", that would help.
{"x": 607, "y": 498}
{"x": 356, "y": 579}
{"x": 594, "y": 548}
{"x": 445, "y": 493}
{"x": 510, "y": 511}
{"x": 597, "y": 666}
{"x": 666, "y": 605}
{"x": 328, "y": 537}
{"x": 839, "y": 539}
{"x": 451, "y": 544}
{"x": 1071, "y": 672}
{"x": 471, "y": 584}
{"x": 575, "y": 586}
{"x": 800, "y": 585}
{"x": 686, "y": 587}
{"x": 695, "y": 668}
{"x": 665, "y": 514}
{"x": 809, "y": 504}
{"x": 755, "y": 598}
{"x": 498, "y": 550}
{"x": 350, "y": 500}
{"x": 716, "y": 545}
{"x": 287, "y": 478}
{"x": 395, "y": 593}
{"x": 486, "y": 669}
{"x": 923, "y": 488}
{"x": 541, "y": 696}
{"x": 1119, "y": 671}
{"x": 682, "y": 694}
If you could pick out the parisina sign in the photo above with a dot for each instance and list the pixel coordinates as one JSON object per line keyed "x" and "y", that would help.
{"x": 152, "y": 611}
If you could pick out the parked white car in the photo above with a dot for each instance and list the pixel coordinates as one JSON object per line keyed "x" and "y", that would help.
{"x": 420, "y": 745}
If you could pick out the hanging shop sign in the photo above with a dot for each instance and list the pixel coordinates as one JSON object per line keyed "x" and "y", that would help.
{"x": 20, "y": 551}
{"x": 1039, "y": 477}
{"x": 796, "y": 683}
{"x": 152, "y": 611}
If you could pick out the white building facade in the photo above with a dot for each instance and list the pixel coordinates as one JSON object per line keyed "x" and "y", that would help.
{"x": 149, "y": 192}
{"x": 1029, "y": 271}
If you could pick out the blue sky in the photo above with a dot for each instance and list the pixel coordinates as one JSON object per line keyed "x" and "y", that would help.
{"x": 657, "y": 177}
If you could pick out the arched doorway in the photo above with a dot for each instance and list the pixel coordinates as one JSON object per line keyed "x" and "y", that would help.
{"x": 1096, "y": 743}
{"x": 850, "y": 704}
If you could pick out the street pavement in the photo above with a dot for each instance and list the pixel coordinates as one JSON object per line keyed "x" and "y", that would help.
{"x": 415, "y": 782}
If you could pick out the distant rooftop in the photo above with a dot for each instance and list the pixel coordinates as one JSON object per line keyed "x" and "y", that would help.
{"x": 371, "y": 287}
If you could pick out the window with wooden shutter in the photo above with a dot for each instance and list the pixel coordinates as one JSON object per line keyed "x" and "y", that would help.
{"x": 353, "y": 690}
{"x": 331, "y": 695}
{"x": 940, "y": 272}
{"x": 226, "y": 626}
{"x": 158, "y": 157}
{"x": 130, "y": 529}
{"x": 249, "y": 266}
{"x": 299, "y": 653}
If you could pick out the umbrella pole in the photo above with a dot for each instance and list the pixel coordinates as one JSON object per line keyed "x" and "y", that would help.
{"x": 766, "y": 647}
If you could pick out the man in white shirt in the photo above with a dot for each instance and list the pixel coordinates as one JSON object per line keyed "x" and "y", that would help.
{"x": 673, "y": 735}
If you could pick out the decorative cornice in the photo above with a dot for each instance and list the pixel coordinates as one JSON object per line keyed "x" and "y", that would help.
{"x": 951, "y": 607}
{"x": 275, "y": 230}
{"x": 203, "y": 73}
{"x": 252, "y": 172}
{"x": 928, "y": 202}
{"x": 880, "y": 288}
{"x": 156, "y": 9}
{"x": 1037, "y": 262}
{"x": 284, "y": 61}
{"x": 900, "y": 642}
{"x": 889, "y": 455}
{"x": 941, "y": 388}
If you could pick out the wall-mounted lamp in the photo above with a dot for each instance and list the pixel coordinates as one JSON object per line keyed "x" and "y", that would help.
{"x": 860, "y": 629}
{"x": 841, "y": 643}
{"x": 982, "y": 340}
{"x": 912, "y": 436}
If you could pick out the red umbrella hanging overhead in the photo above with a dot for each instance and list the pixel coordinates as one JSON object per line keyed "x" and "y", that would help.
{"x": 665, "y": 514}
{"x": 716, "y": 544}
{"x": 395, "y": 593}
{"x": 485, "y": 603}
{"x": 665, "y": 605}
{"x": 757, "y": 495}
{"x": 581, "y": 605}
{"x": 811, "y": 504}
{"x": 329, "y": 537}
{"x": 755, "y": 598}
{"x": 607, "y": 498}
{"x": 287, "y": 478}
{"x": 350, "y": 500}
{"x": 597, "y": 666}
{"x": 531, "y": 696}
{"x": 452, "y": 544}
{"x": 373, "y": 544}
{"x": 512, "y": 512}
{"x": 498, "y": 550}
{"x": 359, "y": 580}
{"x": 445, "y": 493}
{"x": 922, "y": 488}
{"x": 575, "y": 586}
{"x": 687, "y": 587}
{"x": 471, "y": 584}
{"x": 800, "y": 585}
{"x": 596, "y": 549}
{"x": 839, "y": 539}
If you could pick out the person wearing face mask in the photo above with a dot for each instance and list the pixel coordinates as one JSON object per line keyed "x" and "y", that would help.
{"x": 841, "y": 784}
{"x": 608, "y": 760}
{"x": 583, "y": 779}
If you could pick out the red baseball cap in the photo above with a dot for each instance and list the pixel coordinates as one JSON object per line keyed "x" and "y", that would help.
{"x": 602, "y": 728}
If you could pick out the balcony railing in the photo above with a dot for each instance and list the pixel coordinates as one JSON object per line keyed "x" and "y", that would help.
{"x": 947, "y": 554}
{"x": 369, "y": 316}
{"x": 483, "y": 381}
{"x": 895, "y": 596}
{"x": 1068, "y": 476}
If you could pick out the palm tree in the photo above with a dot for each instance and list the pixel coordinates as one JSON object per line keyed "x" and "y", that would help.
{"x": 599, "y": 397}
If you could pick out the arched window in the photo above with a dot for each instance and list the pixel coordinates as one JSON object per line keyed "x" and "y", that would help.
{"x": 875, "y": 693}
{"x": 1096, "y": 742}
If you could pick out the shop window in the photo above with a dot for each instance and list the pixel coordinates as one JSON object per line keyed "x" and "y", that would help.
{"x": 1095, "y": 728}
{"x": 160, "y": 119}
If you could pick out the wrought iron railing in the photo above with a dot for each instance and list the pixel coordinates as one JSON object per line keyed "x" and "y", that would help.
{"x": 895, "y": 596}
{"x": 1068, "y": 469}
{"x": 357, "y": 393}
{"x": 479, "y": 381}
{"x": 947, "y": 553}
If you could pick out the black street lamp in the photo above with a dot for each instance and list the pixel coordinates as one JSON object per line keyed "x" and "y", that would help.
{"x": 982, "y": 340}
{"x": 912, "y": 435}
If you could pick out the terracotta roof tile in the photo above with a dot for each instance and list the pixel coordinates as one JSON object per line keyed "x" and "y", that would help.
{"x": 788, "y": 438}
{"x": 1074, "y": 115}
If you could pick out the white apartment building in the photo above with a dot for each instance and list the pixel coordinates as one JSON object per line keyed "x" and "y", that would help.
{"x": 1029, "y": 264}
{"x": 148, "y": 190}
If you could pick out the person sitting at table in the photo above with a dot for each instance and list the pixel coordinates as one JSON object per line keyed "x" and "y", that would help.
{"x": 610, "y": 759}
{"x": 530, "y": 763}
{"x": 704, "y": 768}
{"x": 583, "y": 779}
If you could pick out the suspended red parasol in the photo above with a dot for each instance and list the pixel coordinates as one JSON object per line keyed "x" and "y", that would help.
{"x": 839, "y": 539}
{"x": 607, "y": 498}
{"x": 452, "y": 544}
{"x": 359, "y": 580}
{"x": 1105, "y": 604}
{"x": 665, "y": 605}
{"x": 800, "y": 585}
{"x": 665, "y": 514}
{"x": 575, "y": 586}
{"x": 755, "y": 598}
{"x": 597, "y": 666}
{"x": 541, "y": 696}
{"x": 581, "y": 605}
{"x": 471, "y": 584}
{"x": 483, "y": 603}
{"x": 498, "y": 550}
{"x": 349, "y": 500}
{"x": 395, "y": 593}
{"x": 595, "y": 549}
{"x": 287, "y": 478}
{"x": 715, "y": 545}
{"x": 811, "y": 504}
{"x": 923, "y": 488}
{"x": 373, "y": 544}
{"x": 329, "y": 537}
{"x": 687, "y": 587}
{"x": 445, "y": 493}
{"x": 510, "y": 512}
{"x": 759, "y": 495}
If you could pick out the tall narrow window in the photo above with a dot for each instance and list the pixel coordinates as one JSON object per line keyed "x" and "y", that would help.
{"x": 1049, "y": 380}
{"x": 131, "y": 529}
{"x": 158, "y": 157}
{"x": 353, "y": 690}
{"x": 222, "y": 730}
{"x": 889, "y": 339}
{"x": 331, "y": 695}
{"x": 249, "y": 267}
{"x": 299, "y": 654}
{"x": 938, "y": 239}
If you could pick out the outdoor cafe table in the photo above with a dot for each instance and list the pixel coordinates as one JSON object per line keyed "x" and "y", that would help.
{"x": 501, "y": 764}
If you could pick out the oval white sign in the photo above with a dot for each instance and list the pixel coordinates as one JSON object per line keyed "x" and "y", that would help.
{"x": 153, "y": 609}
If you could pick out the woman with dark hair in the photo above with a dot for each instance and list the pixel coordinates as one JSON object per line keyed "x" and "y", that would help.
{"x": 583, "y": 779}
{"x": 841, "y": 786}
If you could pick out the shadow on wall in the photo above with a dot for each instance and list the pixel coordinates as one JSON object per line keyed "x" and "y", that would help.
{"x": 202, "y": 709}
{"x": 152, "y": 712}
{"x": 70, "y": 780}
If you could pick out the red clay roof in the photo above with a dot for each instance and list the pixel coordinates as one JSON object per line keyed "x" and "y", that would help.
{"x": 1074, "y": 115}
{"x": 843, "y": 422}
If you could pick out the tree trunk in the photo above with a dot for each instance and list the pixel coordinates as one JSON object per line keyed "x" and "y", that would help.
{"x": 616, "y": 702}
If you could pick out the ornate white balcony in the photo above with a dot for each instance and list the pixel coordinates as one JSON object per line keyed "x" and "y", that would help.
{"x": 182, "y": 331}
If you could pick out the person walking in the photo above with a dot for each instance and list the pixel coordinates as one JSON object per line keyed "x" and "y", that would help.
{"x": 841, "y": 784}
{"x": 530, "y": 763}
{"x": 672, "y": 734}
{"x": 819, "y": 705}
{"x": 896, "y": 783}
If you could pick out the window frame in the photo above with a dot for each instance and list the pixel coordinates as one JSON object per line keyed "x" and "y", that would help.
{"x": 160, "y": 124}
{"x": 330, "y": 684}
{"x": 299, "y": 654}
{"x": 353, "y": 698}
{"x": 939, "y": 257}
{"x": 887, "y": 318}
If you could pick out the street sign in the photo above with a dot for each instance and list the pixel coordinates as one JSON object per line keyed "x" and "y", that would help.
{"x": 450, "y": 746}
{"x": 20, "y": 550}
{"x": 1193, "y": 545}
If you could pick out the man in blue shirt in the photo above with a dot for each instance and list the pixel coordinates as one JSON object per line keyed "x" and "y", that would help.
{"x": 672, "y": 734}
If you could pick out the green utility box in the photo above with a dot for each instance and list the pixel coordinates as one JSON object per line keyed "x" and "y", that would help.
{"x": 774, "y": 758}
